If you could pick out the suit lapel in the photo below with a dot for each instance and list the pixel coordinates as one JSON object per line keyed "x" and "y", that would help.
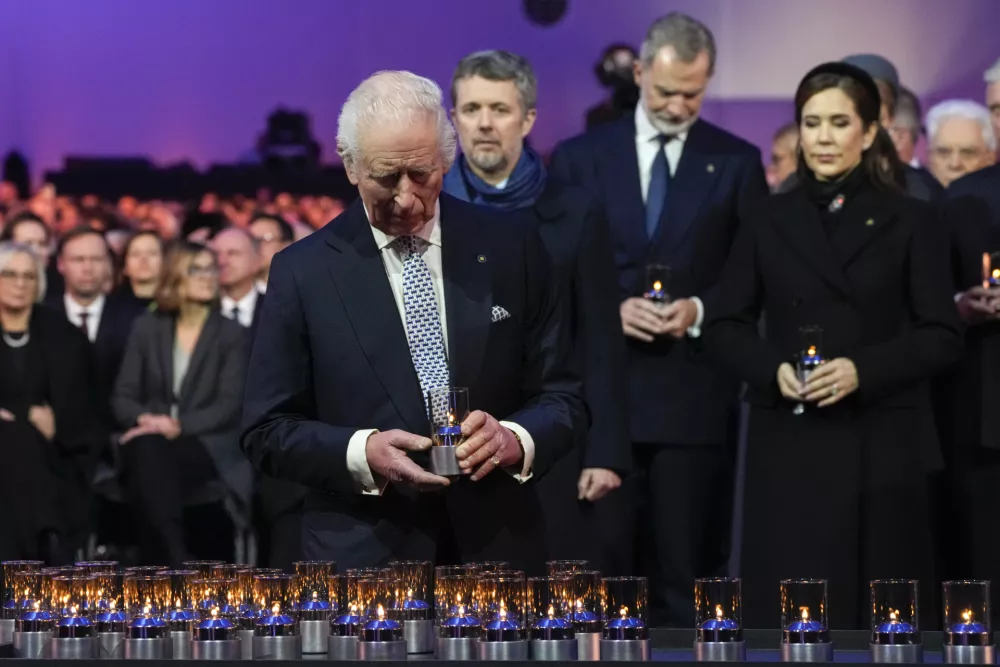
{"x": 165, "y": 351}
{"x": 359, "y": 276}
{"x": 689, "y": 187}
{"x": 620, "y": 173}
{"x": 798, "y": 222}
{"x": 863, "y": 220}
{"x": 467, "y": 292}
{"x": 206, "y": 341}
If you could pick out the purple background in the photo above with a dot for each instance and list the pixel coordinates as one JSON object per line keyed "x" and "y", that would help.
{"x": 194, "y": 79}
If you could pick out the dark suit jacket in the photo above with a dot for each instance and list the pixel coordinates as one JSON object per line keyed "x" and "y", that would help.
{"x": 211, "y": 395}
{"x": 331, "y": 358}
{"x": 675, "y": 394}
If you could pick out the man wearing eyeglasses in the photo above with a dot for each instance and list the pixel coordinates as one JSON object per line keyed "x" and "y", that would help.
{"x": 274, "y": 235}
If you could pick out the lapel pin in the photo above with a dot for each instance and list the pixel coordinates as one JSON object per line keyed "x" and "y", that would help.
{"x": 482, "y": 259}
{"x": 870, "y": 222}
{"x": 710, "y": 168}
{"x": 836, "y": 204}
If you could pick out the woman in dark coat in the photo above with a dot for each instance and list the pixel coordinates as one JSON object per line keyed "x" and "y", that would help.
{"x": 839, "y": 491}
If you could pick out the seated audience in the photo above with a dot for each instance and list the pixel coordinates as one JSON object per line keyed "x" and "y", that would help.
{"x": 142, "y": 262}
{"x": 906, "y": 129}
{"x": 239, "y": 263}
{"x": 273, "y": 234}
{"x": 961, "y": 139}
{"x": 784, "y": 153}
{"x": 179, "y": 397}
{"x": 47, "y": 423}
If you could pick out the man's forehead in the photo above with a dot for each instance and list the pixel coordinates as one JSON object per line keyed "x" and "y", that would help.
{"x": 959, "y": 129}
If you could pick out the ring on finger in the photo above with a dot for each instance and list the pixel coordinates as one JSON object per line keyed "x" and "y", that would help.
{"x": 495, "y": 460}
{"x": 834, "y": 389}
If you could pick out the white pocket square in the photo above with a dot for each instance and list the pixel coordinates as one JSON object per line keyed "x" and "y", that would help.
{"x": 500, "y": 314}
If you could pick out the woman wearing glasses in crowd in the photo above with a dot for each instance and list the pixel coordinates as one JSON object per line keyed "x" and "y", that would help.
{"x": 837, "y": 465}
{"x": 48, "y": 426}
{"x": 179, "y": 397}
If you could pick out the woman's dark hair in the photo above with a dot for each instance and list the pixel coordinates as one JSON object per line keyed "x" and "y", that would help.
{"x": 21, "y": 218}
{"x": 880, "y": 162}
{"x": 128, "y": 245}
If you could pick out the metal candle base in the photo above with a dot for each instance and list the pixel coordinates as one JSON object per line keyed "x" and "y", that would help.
{"x": 547, "y": 650}
{"x": 314, "y": 635}
{"x": 516, "y": 650}
{"x": 160, "y": 648}
{"x": 896, "y": 654}
{"x": 277, "y": 648}
{"x": 391, "y": 650}
{"x": 419, "y": 636}
{"x": 444, "y": 463}
{"x": 588, "y": 646}
{"x": 720, "y": 651}
{"x": 6, "y": 631}
{"x": 969, "y": 655}
{"x": 31, "y": 645}
{"x": 819, "y": 652}
{"x": 625, "y": 649}
{"x": 462, "y": 648}
{"x": 220, "y": 649}
{"x": 180, "y": 644}
{"x": 342, "y": 648}
{"x": 74, "y": 648}
{"x": 246, "y": 644}
{"x": 111, "y": 645}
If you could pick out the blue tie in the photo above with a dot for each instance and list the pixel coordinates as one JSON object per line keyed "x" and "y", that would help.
{"x": 423, "y": 322}
{"x": 659, "y": 182}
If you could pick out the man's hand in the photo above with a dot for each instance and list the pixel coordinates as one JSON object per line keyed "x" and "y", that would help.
{"x": 44, "y": 420}
{"x": 595, "y": 483}
{"x": 832, "y": 382}
{"x": 641, "y": 318}
{"x": 6, "y": 415}
{"x": 678, "y": 317}
{"x": 488, "y": 445}
{"x": 170, "y": 428}
{"x": 386, "y": 454}
{"x": 978, "y": 304}
{"x": 788, "y": 382}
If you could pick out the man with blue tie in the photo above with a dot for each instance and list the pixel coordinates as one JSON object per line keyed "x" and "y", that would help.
{"x": 674, "y": 188}
{"x": 407, "y": 291}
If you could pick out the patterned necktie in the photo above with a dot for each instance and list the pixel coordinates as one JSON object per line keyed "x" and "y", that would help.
{"x": 423, "y": 323}
{"x": 659, "y": 182}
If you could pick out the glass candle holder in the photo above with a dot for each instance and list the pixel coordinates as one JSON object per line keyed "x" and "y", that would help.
{"x": 626, "y": 608}
{"x": 470, "y": 569}
{"x": 312, "y": 579}
{"x": 11, "y": 589}
{"x": 345, "y": 617}
{"x": 488, "y": 566}
{"x": 216, "y": 594}
{"x": 377, "y": 595}
{"x": 25, "y": 594}
{"x": 142, "y": 591}
{"x": 967, "y": 613}
{"x": 149, "y": 623}
{"x": 454, "y": 596}
{"x": 657, "y": 283}
{"x": 244, "y": 585}
{"x": 894, "y": 612}
{"x": 276, "y": 590}
{"x": 549, "y": 607}
{"x": 803, "y": 611}
{"x": 73, "y": 595}
{"x": 109, "y": 592}
{"x": 718, "y": 608}
{"x": 146, "y": 569}
{"x": 182, "y": 589}
{"x": 556, "y": 567}
{"x": 413, "y": 590}
{"x": 991, "y": 269}
{"x": 447, "y": 408}
{"x": 98, "y": 566}
{"x": 203, "y": 566}
{"x": 355, "y": 575}
{"x": 224, "y": 571}
{"x": 587, "y": 599}
{"x": 502, "y": 605}
{"x": 215, "y": 627}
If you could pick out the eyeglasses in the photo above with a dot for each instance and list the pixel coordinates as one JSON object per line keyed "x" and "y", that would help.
{"x": 965, "y": 153}
{"x": 14, "y": 276}
{"x": 209, "y": 271}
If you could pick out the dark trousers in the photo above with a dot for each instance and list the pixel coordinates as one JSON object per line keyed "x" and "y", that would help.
{"x": 159, "y": 477}
{"x": 685, "y": 505}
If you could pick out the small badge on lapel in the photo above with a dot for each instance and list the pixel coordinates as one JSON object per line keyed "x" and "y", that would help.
{"x": 710, "y": 168}
{"x": 500, "y": 314}
{"x": 836, "y": 203}
{"x": 870, "y": 222}
{"x": 482, "y": 259}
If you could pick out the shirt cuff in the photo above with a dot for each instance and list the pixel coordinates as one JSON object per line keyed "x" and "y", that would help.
{"x": 695, "y": 329}
{"x": 958, "y": 297}
{"x": 528, "y": 445}
{"x": 357, "y": 463}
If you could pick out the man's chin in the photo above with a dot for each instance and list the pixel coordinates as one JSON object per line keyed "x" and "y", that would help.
{"x": 672, "y": 128}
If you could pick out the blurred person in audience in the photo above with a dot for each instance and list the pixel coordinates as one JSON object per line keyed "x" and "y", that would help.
{"x": 906, "y": 127}
{"x": 274, "y": 235}
{"x": 992, "y": 79}
{"x": 675, "y": 189}
{"x": 127, "y": 206}
{"x": 846, "y": 251}
{"x": 8, "y": 197}
{"x": 67, "y": 213}
{"x": 209, "y": 203}
{"x": 961, "y": 139}
{"x": 142, "y": 262}
{"x": 784, "y": 155}
{"x": 116, "y": 239}
{"x": 28, "y": 229}
{"x": 178, "y": 398}
{"x": 162, "y": 220}
{"x": 494, "y": 95}
{"x": 238, "y": 253}
{"x": 47, "y": 422}
{"x": 614, "y": 71}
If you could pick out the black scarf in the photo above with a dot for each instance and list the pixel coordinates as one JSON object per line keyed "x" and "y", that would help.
{"x": 830, "y": 197}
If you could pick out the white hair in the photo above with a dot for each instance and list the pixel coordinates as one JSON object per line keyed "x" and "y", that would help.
{"x": 992, "y": 75}
{"x": 8, "y": 249}
{"x": 967, "y": 109}
{"x": 392, "y": 96}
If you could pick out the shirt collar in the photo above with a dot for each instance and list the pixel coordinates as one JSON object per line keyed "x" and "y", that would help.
{"x": 430, "y": 232}
{"x": 74, "y": 309}
{"x": 246, "y": 304}
{"x": 645, "y": 131}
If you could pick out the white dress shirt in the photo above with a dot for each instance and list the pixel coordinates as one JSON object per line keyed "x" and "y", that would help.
{"x": 646, "y": 145}
{"x": 262, "y": 286}
{"x": 246, "y": 306}
{"x": 94, "y": 311}
{"x": 357, "y": 460}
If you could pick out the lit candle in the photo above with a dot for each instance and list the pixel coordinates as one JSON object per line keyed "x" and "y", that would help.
{"x": 968, "y": 624}
{"x": 381, "y": 629}
{"x": 34, "y": 620}
{"x": 584, "y": 620}
{"x": 624, "y": 627}
{"x": 111, "y": 619}
{"x": 275, "y": 624}
{"x": 719, "y": 628}
{"x": 346, "y": 625}
{"x": 551, "y": 627}
{"x": 805, "y": 630}
{"x": 460, "y": 625}
{"x": 74, "y": 625}
{"x": 215, "y": 628}
{"x": 501, "y": 629}
{"x": 414, "y": 609}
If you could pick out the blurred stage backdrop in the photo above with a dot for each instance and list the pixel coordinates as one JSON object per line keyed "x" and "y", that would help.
{"x": 193, "y": 80}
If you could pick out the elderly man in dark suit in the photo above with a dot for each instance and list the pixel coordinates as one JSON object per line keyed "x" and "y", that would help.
{"x": 674, "y": 188}
{"x": 408, "y": 291}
